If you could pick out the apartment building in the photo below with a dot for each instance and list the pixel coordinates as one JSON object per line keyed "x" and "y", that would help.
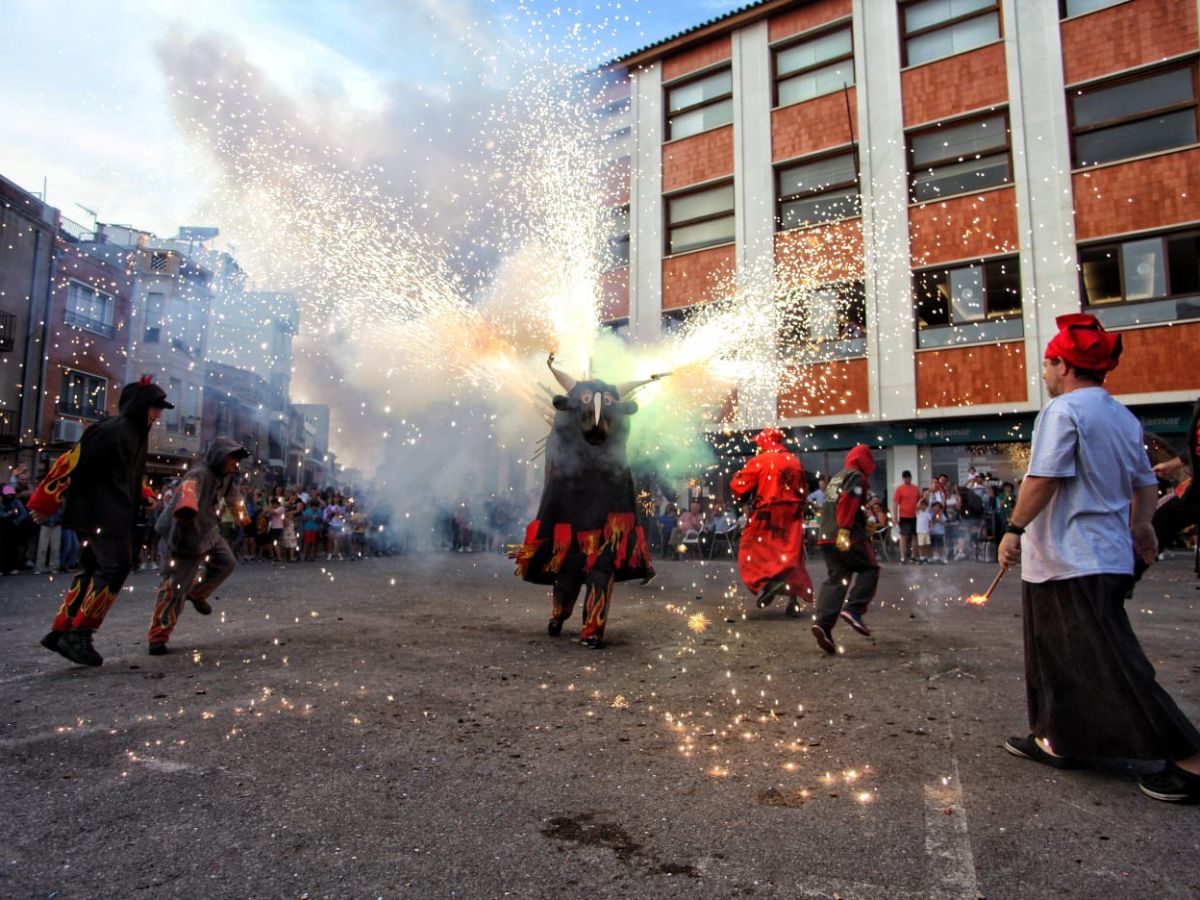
{"x": 949, "y": 176}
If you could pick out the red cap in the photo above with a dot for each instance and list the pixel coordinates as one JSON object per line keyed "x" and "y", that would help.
{"x": 769, "y": 439}
{"x": 1083, "y": 342}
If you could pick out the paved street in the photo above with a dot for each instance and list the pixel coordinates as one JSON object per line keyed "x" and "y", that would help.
{"x": 404, "y": 728}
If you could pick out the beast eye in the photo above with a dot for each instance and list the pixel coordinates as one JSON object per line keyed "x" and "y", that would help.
{"x": 608, "y": 399}
{"x": 586, "y": 398}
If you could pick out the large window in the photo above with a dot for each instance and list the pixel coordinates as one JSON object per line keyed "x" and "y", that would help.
{"x": 154, "y": 316}
{"x": 1133, "y": 115}
{"x": 1150, "y": 278}
{"x": 700, "y": 219}
{"x": 90, "y": 309}
{"x": 700, "y": 104}
{"x": 968, "y": 304}
{"x": 814, "y": 66}
{"x": 828, "y": 321}
{"x": 1079, "y": 7}
{"x": 618, "y": 237}
{"x": 818, "y": 190}
{"x": 82, "y": 394}
{"x": 959, "y": 157}
{"x": 936, "y": 28}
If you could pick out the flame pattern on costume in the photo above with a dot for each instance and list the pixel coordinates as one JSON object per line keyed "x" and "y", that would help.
{"x": 616, "y": 535}
{"x": 49, "y": 494}
{"x": 95, "y": 606}
{"x": 562, "y": 543}
{"x": 595, "y": 608}
{"x": 592, "y": 545}
{"x": 70, "y": 604}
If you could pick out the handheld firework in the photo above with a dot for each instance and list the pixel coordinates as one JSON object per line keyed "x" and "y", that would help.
{"x": 981, "y": 599}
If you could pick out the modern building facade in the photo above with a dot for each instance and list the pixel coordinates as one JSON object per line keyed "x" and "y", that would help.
{"x": 947, "y": 177}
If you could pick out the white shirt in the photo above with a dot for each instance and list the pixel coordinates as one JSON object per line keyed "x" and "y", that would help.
{"x": 1095, "y": 446}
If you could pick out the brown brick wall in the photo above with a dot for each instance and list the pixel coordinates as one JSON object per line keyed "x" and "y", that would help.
{"x": 697, "y": 58}
{"x": 825, "y": 253}
{"x": 803, "y": 128}
{"x": 614, "y": 288}
{"x": 1126, "y": 36}
{"x": 955, "y": 85}
{"x": 1145, "y": 193}
{"x": 696, "y": 277}
{"x": 810, "y": 15}
{"x": 970, "y": 376}
{"x": 701, "y": 157}
{"x": 964, "y": 227}
{"x": 1157, "y": 359}
{"x": 824, "y": 389}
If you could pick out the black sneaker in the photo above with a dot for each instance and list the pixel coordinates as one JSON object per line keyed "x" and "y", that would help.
{"x": 1027, "y": 748}
{"x": 650, "y": 576}
{"x": 824, "y": 640}
{"x": 157, "y": 648}
{"x": 1172, "y": 784}
{"x": 767, "y": 596}
{"x": 793, "y": 609}
{"x": 594, "y": 643}
{"x": 50, "y": 642}
{"x": 554, "y": 627}
{"x": 202, "y": 606}
{"x": 854, "y": 620}
{"x": 76, "y": 645}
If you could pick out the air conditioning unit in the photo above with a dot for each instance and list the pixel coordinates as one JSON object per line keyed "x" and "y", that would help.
{"x": 67, "y": 431}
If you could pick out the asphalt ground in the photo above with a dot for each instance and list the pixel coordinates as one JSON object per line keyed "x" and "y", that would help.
{"x": 404, "y": 727}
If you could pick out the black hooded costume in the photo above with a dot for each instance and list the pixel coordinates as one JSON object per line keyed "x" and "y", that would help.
{"x": 101, "y": 480}
{"x": 586, "y": 529}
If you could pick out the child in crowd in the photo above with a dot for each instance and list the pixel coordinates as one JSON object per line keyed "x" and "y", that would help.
{"x": 937, "y": 533}
{"x": 924, "y": 521}
{"x": 312, "y": 528}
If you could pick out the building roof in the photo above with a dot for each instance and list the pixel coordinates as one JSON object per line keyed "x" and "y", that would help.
{"x": 715, "y": 27}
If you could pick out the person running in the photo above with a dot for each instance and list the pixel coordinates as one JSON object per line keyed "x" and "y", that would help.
{"x": 846, "y": 547}
{"x": 1084, "y": 511}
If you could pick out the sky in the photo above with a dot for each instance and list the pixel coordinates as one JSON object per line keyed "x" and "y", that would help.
{"x": 86, "y": 88}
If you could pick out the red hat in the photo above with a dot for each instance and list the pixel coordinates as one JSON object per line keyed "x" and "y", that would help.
{"x": 1083, "y": 342}
{"x": 769, "y": 439}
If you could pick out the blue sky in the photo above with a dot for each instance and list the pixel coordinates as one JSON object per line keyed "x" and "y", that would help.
{"x": 85, "y": 90}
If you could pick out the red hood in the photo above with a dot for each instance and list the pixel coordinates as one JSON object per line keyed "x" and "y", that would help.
{"x": 860, "y": 458}
{"x": 769, "y": 439}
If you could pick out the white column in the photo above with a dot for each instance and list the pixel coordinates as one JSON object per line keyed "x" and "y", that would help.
{"x": 1041, "y": 150}
{"x": 754, "y": 193}
{"x": 891, "y": 329}
{"x": 646, "y": 205}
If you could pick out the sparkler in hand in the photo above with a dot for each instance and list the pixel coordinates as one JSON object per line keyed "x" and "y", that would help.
{"x": 981, "y": 599}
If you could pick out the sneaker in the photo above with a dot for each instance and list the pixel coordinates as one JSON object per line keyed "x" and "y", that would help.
{"x": 593, "y": 643}
{"x": 201, "y": 606}
{"x": 554, "y": 627}
{"x": 76, "y": 645}
{"x": 649, "y": 578}
{"x": 824, "y": 640}
{"x": 793, "y": 609}
{"x": 854, "y": 620}
{"x": 157, "y": 648}
{"x": 1027, "y": 748}
{"x": 50, "y": 642}
{"x": 1172, "y": 784}
{"x": 767, "y": 596}
{"x": 39, "y": 572}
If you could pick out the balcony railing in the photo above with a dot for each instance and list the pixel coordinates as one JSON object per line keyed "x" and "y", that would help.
{"x": 89, "y": 324}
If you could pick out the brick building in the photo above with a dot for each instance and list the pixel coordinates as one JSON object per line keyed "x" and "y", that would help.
{"x": 949, "y": 178}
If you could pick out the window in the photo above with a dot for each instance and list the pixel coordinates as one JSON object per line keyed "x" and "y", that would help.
{"x": 936, "y": 28}
{"x": 82, "y": 394}
{"x": 984, "y": 298}
{"x": 160, "y": 260}
{"x": 1133, "y": 115}
{"x": 959, "y": 157}
{"x": 1150, "y": 278}
{"x": 820, "y": 190}
{"x": 700, "y": 104}
{"x": 814, "y": 66}
{"x": 154, "y": 314}
{"x": 700, "y": 219}
{"x": 1079, "y": 7}
{"x": 618, "y": 241}
{"x": 674, "y": 320}
{"x": 8, "y": 330}
{"x": 829, "y": 320}
{"x": 89, "y": 309}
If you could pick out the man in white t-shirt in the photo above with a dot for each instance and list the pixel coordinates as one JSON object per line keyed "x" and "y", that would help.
{"x": 1084, "y": 510}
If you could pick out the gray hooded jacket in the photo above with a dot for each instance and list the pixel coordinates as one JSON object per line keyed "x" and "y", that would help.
{"x": 195, "y": 535}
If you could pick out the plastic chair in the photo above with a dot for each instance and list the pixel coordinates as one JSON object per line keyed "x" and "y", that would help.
{"x": 691, "y": 541}
{"x": 727, "y": 537}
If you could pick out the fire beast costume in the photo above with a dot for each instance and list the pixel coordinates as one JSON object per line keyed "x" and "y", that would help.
{"x": 199, "y": 559}
{"x": 586, "y": 532}
{"x": 1181, "y": 507}
{"x": 101, "y": 480}
{"x": 771, "y": 551}
{"x": 846, "y": 546}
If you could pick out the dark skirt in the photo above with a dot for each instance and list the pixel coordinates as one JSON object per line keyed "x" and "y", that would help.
{"x": 1091, "y": 690}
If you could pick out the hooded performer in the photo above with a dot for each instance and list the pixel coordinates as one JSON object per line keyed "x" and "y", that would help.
{"x": 199, "y": 559}
{"x": 1181, "y": 507}
{"x": 771, "y": 552}
{"x": 586, "y": 532}
{"x": 104, "y": 474}
{"x": 846, "y": 546}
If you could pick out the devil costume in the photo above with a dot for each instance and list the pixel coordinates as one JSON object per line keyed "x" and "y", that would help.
{"x": 101, "y": 479}
{"x": 586, "y": 532}
{"x": 771, "y": 551}
{"x": 1181, "y": 507}
{"x": 199, "y": 558}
